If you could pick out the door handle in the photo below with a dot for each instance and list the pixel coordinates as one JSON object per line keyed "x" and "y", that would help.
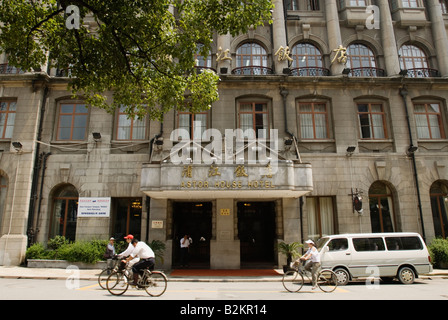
{"x": 347, "y": 253}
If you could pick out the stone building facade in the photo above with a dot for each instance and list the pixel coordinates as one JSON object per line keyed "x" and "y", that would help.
{"x": 356, "y": 92}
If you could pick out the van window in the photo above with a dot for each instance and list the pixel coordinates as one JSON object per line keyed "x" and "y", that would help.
{"x": 403, "y": 243}
{"x": 368, "y": 244}
{"x": 338, "y": 244}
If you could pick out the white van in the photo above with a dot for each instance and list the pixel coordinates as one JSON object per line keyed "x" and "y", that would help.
{"x": 384, "y": 255}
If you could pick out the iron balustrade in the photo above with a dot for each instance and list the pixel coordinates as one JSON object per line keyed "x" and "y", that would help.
{"x": 253, "y": 71}
{"x": 367, "y": 72}
{"x": 8, "y": 69}
{"x": 423, "y": 73}
{"x": 310, "y": 72}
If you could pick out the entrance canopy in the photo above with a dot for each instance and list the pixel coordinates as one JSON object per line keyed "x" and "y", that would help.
{"x": 283, "y": 179}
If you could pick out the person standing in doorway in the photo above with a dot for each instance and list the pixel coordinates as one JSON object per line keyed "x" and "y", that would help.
{"x": 185, "y": 243}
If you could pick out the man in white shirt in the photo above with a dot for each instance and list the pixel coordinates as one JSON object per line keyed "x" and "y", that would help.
{"x": 128, "y": 252}
{"x": 185, "y": 243}
{"x": 314, "y": 256}
{"x": 146, "y": 255}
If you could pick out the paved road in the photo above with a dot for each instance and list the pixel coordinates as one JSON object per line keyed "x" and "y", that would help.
{"x": 25, "y": 289}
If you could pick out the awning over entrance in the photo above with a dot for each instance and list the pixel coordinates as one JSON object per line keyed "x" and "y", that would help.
{"x": 284, "y": 179}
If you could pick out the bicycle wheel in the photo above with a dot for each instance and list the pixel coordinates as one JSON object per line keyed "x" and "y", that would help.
{"x": 327, "y": 281}
{"x": 102, "y": 278}
{"x": 293, "y": 281}
{"x": 156, "y": 283}
{"x": 117, "y": 283}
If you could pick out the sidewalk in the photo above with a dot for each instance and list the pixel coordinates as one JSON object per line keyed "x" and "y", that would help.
{"x": 177, "y": 275}
{"x": 180, "y": 275}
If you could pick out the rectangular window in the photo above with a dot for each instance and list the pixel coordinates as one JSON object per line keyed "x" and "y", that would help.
{"x": 321, "y": 216}
{"x": 428, "y": 118}
{"x": 128, "y": 128}
{"x": 313, "y": 120}
{"x": 338, "y": 244}
{"x": 194, "y": 123}
{"x": 409, "y": 3}
{"x": 7, "y": 118}
{"x": 403, "y": 243}
{"x": 254, "y": 119}
{"x": 372, "y": 121}
{"x": 368, "y": 244}
{"x": 72, "y": 122}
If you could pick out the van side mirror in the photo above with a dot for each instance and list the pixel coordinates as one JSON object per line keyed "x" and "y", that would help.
{"x": 325, "y": 249}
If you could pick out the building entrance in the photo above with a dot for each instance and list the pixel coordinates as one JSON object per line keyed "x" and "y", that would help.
{"x": 256, "y": 231}
{"x": 193, "y": 219}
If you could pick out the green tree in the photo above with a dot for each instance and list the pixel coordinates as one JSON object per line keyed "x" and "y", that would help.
{"x": 141, "y": 50}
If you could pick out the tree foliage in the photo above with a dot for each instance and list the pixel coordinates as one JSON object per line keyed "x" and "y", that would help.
{"x": 141, "y": 50}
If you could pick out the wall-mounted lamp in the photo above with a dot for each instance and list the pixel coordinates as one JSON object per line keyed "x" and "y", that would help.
{"x": 96, "y": 136}
{"x": 403, "y": 73}
{"x": 346, "y": 71}
{"x": 17, "y": 145}
{"x": 350, "y": 150}
{"x": 412, "y": 150}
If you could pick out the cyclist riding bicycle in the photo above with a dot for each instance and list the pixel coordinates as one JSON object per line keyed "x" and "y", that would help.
{"x": 146, "y": 255}
{"x": 313, "y": 256}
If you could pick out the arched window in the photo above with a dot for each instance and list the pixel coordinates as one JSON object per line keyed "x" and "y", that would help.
{"x": 200, "y": 60}
{"x": 414, "y": 60}
{"x": 307, "y": 61}
{"x": 65, "y": 212}
{"x": 381, "y": 205}
{"x": 251, "y": 59}
{"x": 439, "y": 207}
{"x": 361, "y": 61}
{"x": 412, "y": 57}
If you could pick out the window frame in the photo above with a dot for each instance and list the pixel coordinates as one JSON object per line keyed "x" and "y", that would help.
{"x": 131, "y": 128}
{"x": 254, "y": 113}
{"x": 8, "y": 112}
{"x": 440, "y": 118}
{"x": 313, "y": 113}
{"x": 59, "y": 114}
{"x": 370, "y": 114}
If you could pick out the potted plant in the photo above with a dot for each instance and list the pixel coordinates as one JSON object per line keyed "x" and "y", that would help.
{"x": 291, "y": 251}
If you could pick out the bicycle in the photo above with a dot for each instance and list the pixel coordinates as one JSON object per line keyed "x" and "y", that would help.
{"x": 102, "y": 277}
{"x": 154, "y": 282}
{"x": 293, "y": 280}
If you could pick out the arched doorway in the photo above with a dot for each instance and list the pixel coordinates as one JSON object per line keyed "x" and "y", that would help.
{"x": 381, "y": 203}
{"x": 64, "y": 212}
{"x": 439, "y": 208}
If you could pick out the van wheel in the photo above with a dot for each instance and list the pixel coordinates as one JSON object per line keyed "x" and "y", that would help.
{"x": 406, "y": 275}
{"x": 343, "y": 276}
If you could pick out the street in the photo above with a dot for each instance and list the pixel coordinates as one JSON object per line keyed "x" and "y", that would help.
{"x": 435, "y": 288}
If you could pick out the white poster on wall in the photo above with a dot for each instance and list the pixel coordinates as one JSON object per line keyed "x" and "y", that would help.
{"x": 94, "y": 207}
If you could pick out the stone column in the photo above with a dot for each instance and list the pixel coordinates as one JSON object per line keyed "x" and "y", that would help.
{"x": 388, "y": 39}
{"x": 223, "y": 55}
{"x": 334, "y": 33}
{"x": 279, "y": 36}
{"x": 439, "y": 35}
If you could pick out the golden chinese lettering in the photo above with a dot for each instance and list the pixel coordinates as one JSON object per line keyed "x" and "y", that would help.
{"x": 213, "y": 171}
{"x": 240, "y": 171}
{"x": 187, "y": 172}
{"x": 341, "y": 55}
{"x": 283, "y": 54}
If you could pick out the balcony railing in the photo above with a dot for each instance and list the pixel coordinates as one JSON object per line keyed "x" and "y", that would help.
{"x": 367, "y": 72}
{"x": 310, "y": 72}
{"x": 253, "y": 71}
{"x": 8, "y": 69}
{"x": 423, "y": 73}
